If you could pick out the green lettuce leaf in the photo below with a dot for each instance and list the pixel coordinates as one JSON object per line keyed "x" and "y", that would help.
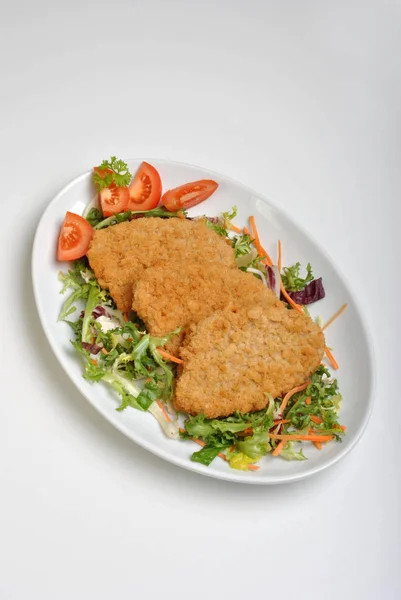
{"x": 256, "y": 445}
{"x": 206, "y": 455}
{"x": 94, "y": 216}
{"x": 289, "y": 453}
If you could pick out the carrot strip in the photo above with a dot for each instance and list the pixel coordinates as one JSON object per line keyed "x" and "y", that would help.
{"x": 342, "y": 427}
{"x": 236, "y": 229}
{"x": 160, "y": 405}
{"x": 279, "y": 448}
{"x": 288, "y": 437}
{"x": 126, "y": 319}
{"x": 318, "y": 445}
{"x": 281, "y": 422}
{"x": 169, "y": 356}
{"x": 291, "y": 393}
{"x": 308, "y": 400}
{"x": 279, "y": 256}
{"x": 331, "y": 358}
{"x": 257, "y": 243}
{"x": 315, "y": 419}
{"x": 94, "y": 362}
{"x": 104, "y": 351}
{"x": 334, "y": 317}
{"x": 289, "y": 299}
{"x": 253, "y": 467}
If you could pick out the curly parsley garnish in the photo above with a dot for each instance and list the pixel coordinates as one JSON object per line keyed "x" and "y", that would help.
{"x": 111, "y": 171}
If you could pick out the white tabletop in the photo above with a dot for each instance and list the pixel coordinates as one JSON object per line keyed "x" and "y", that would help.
{"x": 301, "y": 101}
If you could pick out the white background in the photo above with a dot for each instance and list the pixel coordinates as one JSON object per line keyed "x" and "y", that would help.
{"x": 300, "y": 100}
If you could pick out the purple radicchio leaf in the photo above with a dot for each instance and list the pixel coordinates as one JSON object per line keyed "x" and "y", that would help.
{"x": 273, "y": 279}
{"x": 99, "y": 311}
{"x": 312, "y": 292}
{"x": 93, "y": 348}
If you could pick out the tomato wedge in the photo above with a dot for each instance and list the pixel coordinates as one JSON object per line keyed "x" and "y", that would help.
{"x": 145, "y": 189}
{"x": 74, "y": 238}
{"x": 189, "y": 194}
{"x": 113, "y": 200}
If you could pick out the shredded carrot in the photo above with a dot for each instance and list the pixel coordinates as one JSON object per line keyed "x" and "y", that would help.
{"x": 248, "y": 431}
{"x": 236, "y": 229}
{"x": 290, "y": 301}
{"x": 334, "y": 317}
{"x": 253, "y": 467}
{"x": 308, "y": 400}
{"x": 316, "y": 432}
{"x": 94, "y": 362}
{"x": 160, "y": 405}
{"x": 318, "y": 445}
{"x": 246, "y": 231}
{"x": 169, "y": 356}
{"x": 104, "y": 351}
{"x": 279, "y": 448}
{"x": 148, "y": 379}
{"x": 342, "y": 427}
{"x": 316, "y": 420}
{"x": 126, "y": 319}
{"x": 331, "y": 358}
{"x": 288, "y": 395}
{"x": 281, "y": 422}
{"x": 295, "y": 436}
{"x": 279, "y": 256}
{"x": 257, "y": 243}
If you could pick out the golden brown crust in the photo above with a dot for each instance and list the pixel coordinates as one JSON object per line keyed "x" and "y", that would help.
{"x": 232, "y": 359}
{"x": 120, "y": 254}
{"x": 186, "y": 293}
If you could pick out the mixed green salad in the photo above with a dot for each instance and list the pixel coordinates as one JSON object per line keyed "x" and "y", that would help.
{"x": 117, "y": 350}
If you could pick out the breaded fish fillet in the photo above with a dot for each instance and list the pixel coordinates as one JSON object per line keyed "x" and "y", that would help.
{"x": 186, "y": 293}
{"x": 232, "y": 359}
{"x": 120, "y": 254}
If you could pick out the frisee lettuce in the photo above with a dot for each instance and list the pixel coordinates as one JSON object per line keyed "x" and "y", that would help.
{"x": 292, "y": 280}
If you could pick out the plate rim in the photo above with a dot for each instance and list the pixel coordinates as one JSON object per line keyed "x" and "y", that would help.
{"x": 232, "y": 475}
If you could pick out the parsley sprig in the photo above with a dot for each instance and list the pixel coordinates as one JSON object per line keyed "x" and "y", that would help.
{"x": 111, "y": 171}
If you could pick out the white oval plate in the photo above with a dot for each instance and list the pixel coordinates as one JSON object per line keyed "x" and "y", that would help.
{"x": 348, "y": 336}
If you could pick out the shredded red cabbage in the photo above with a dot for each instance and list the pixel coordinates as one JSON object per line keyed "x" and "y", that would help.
{"x": 312, "y": 292}
{"x": 99, "y": 311}
{"x": 93, "y": 348}
{"x": 273, "y": 279}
